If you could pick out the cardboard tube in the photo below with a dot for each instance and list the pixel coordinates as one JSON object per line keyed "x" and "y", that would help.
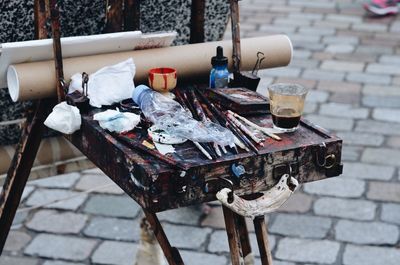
{"x": 36, "y": 80}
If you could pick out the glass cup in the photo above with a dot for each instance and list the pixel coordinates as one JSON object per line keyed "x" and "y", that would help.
{"x": 286, "y": 105}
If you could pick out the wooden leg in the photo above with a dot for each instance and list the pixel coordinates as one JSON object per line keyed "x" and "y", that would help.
{"x": 114, "y": 16}
{"x": 20, "y": 168}
{"x": 243, "y": 234}
{"x": 171, "y": 253}
{"x": 197, "y": 21}
{"x": 262, "y": 239}
{"x": 233, "y": 236}
{"x": 131, "y": 15}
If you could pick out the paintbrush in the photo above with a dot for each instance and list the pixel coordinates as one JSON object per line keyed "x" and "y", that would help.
{"x": 199, "y": 115}
{"x": 211, "y": 116}
{"x": 236, "y": 130}
{"x": 203, "y": 149}
{"x": 203, "y": 117}
{"x": 144, "y": 146}
{"x": 244, "y": 129}
{"x": 255, "y": 126}
{"x": 228, "y": 124}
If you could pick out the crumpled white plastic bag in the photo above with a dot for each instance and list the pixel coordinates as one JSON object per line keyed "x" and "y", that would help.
{"x": 116, "y": 121}
{"x": 108, "y": 85}
{"x": 64, "y": 118}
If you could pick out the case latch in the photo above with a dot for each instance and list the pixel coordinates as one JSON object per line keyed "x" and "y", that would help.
{"x": 328, "y": 162}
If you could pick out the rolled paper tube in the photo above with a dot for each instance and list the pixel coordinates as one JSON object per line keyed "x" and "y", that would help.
{"x": 27, "y": 81}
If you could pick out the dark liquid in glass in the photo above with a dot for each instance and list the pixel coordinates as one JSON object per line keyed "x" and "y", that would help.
{"x": 285, "y": 122}
{"x": 286, "y": 119}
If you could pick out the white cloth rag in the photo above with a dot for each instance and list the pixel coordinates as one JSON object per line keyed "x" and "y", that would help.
{"x": 64, "y": 118}
{"x": 108, "y": 85}
{"x": 116, "y": 121}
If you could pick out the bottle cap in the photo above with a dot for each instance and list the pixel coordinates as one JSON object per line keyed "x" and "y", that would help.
{"x": 137, "y": 91}
{"x": 220, "y": 59}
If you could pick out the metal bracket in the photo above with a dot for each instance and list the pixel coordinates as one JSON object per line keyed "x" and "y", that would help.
{"x": 324, "y": 160}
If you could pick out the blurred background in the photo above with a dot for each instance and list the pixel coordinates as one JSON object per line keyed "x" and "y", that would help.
{"x": 349, "y": 60}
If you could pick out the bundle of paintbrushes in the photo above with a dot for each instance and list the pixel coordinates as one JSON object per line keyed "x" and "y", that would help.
{"x": 248, "y": 135}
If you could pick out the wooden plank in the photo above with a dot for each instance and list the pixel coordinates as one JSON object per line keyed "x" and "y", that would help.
{"x": 236, "y": 53}
{"x": 243, "y": 234}
{"x": 260, "y": 228}
{"x": 233, "y": 237}
{"x": 58, "y": 61}
{"x": 113, "y": 16}
{"x": 157, "y": 186}
{"x": 20, "y": 168}
{"x": 131, "y": 15}
{"x": 197, "y": 21}
{"x": 27, "y": 147}
{"x": 41, "y": 14}
{"x": 171, "y": 253}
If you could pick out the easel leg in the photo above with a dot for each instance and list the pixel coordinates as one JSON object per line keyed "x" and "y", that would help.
{"x": 171, "y": 253}
{"x": 262, "y": 239}
{"x": 233, "y": 236}
{"x": 20, "y": 168}
{"x": 243, "y": 235}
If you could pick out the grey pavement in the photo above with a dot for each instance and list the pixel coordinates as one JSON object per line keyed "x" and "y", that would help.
{"x": 351, "y": 63}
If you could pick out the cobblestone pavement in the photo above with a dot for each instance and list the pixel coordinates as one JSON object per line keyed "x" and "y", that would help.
{"x": 352, "y": 65}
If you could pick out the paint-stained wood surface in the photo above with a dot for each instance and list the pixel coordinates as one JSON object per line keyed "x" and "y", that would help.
{"x": 240, "y": 100}
{"x": 188, "y": 177}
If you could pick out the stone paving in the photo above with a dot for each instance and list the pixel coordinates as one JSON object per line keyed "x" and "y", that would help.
{"x": 351, "y": 63}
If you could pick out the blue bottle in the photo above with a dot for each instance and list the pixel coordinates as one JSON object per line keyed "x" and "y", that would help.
{"x": 219, "y": 75}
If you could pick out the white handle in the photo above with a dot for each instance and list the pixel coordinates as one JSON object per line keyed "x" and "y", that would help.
{"x": 269, "y": 202}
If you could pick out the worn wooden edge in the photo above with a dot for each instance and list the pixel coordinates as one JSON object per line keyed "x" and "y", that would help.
{"x": 260, "y": 168}
{"x": 260, "y": 228}
{"x": 232, "y": 232}
{"x": 57, "y": 51}
{"x": 197, "y": 21}
{"x": 243, "y": 234}
{"x": 20, "y": 168}
{"x": 131, "y": 171}
{"x": 131, "y": 15}
{"x": 171, "y": 253}
{"x": 236, "y": 54}
{"x": 40, "y": 14}
{"x": 29, "y": 143}
{"x": 114, "y": 16}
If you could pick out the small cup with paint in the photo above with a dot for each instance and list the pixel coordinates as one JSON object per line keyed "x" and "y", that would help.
{"x": 162, "y": 79}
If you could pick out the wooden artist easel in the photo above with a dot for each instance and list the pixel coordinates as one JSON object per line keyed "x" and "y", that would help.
{"x": 120, "y": 13}
{"x": 309, "y": 154}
